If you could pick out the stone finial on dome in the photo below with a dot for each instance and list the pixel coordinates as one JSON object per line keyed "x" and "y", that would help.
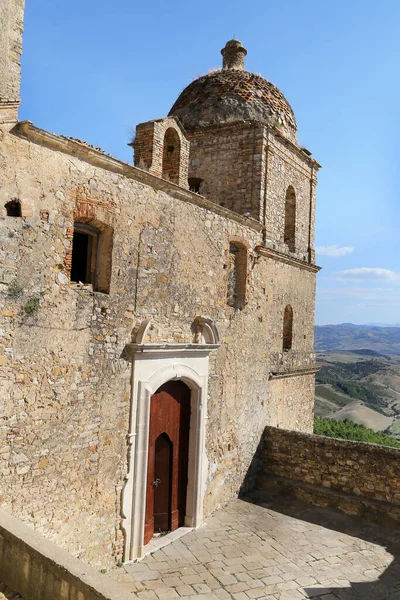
{"x": 233, "y": 55}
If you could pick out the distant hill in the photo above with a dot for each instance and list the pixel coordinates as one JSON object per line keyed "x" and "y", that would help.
{"x": 359, "y": 376}
{"x": 347, "y": 336}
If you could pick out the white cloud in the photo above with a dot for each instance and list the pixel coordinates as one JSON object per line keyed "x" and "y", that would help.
{"x": 377, "y": 300}
{"x": 368, "y": 274}
{"x": 334, "y": 250}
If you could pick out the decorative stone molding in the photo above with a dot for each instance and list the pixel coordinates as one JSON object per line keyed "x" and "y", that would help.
{"x": 152, "y": 366}
{"x": 289, "y": 260}
{"x": 293, "y": 373}
{"x": 205, "y": 331}
{"x": 290, "y": 364}
{"x": 98, "y": 158}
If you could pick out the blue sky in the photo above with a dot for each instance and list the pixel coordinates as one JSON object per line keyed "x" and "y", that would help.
{"x": 94, "y": 69}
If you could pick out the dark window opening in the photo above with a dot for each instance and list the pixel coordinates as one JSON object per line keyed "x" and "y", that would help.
{"x": 290, "y": 219}
{"x": 237, "y": 276}
{"x": 171, "y": 156}
{"x": 287, "y": 328}
{"x": 194, "y": 184}
{"x": 13, "y": 208}
{"x": 84, "y": 254}
{"x": 91, "y": 254}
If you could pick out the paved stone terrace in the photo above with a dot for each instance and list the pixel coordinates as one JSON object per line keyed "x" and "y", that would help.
{"x": 269, "y": 550}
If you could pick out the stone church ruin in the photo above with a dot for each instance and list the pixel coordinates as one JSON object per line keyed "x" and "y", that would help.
{"x": 154, "y": 317}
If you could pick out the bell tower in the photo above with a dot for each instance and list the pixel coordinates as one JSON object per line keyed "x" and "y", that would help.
{"x": 11, "y": 29}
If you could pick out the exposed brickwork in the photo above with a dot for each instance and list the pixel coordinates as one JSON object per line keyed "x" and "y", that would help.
{"x": 233, "y": 95}
{"x": 151, "y": 145}
{"x": 229, "y": 161}
{"x": 249, "y": 169}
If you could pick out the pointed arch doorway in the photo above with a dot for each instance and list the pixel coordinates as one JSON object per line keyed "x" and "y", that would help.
{"x": 168, "y": 456}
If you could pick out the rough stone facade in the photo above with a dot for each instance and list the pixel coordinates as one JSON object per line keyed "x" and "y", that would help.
{"x": 163, "y": 251}
{"x": 249, "y": 169}
{"x": 11, "y": 27}
{"x": 355, "y": 477}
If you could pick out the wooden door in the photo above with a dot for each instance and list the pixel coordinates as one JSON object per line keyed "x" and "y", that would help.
{"x": 167, "y": 470}
{"x": 162, "y": 482}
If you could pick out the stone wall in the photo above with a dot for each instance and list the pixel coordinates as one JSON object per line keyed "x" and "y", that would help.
{"x": 287, "y": 166}
{"x": 228, "y": 160}
{"x": 354, "y": 477}
{"x": 65, "y": 389}
{"x": 40, "y": 570}
{"x": 11, "y": 27}
{"x": 249, "y": 168}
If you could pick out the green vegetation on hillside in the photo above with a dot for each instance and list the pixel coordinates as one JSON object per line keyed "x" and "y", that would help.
{"x": 327, "y": 393}
{"x": 356, "y": 370}
{"x": 347, "y": 430}
{"x": 345, "y": 378}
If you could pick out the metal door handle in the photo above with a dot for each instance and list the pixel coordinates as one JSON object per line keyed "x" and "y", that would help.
{"x": 156, "y": 482}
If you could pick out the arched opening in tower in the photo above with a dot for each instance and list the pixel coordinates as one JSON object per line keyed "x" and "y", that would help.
{"x": 171, "y": 156}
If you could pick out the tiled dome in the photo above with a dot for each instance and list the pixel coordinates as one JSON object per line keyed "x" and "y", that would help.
{"x": 233, "y": 94}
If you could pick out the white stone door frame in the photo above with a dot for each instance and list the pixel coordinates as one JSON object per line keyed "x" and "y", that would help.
{"x": 152, "y": 366}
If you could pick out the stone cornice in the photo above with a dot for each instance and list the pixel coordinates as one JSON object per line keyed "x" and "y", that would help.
{"x": 289, "y": 260}
{"x": 131, "y": 350}
{"x": 9, "y": 103}
{"x": 8, "y": 111}
{"x": 293, "y": 373}
{"x": 100, "y": 159}
{"x": 304, "y": 155}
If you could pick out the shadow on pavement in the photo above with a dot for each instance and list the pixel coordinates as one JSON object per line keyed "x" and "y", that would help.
{"x": 386, "y": 587}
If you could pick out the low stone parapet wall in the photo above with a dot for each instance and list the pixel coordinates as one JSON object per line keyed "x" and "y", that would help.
{"x": 354, "y": 477}
{"x": 39, "y": 570}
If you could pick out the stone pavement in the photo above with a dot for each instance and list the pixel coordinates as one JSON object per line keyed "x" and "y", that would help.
{"x": 260, "y": 549}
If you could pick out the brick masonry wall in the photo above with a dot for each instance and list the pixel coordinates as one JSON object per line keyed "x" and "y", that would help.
{"x": 365, "y": 471}
{"x": 150, "y": 149}
{"x": 228, "y": 159}
{"x": 248, "y": 169}
{"x": 64, "y": 389}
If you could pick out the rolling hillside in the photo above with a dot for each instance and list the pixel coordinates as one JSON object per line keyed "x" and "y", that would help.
{"x": 359, "y": 376}
{"x": 346, "y": 336}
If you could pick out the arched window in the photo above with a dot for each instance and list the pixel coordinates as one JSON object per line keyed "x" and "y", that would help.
{"x": 290, "y": 219}
{"x": 91, "y": 255}
{"x": 237, "y": 275}
{"x": 287, "y": 328}
{"x": 13, "y": 208}
{"x": 171, "y": 156}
